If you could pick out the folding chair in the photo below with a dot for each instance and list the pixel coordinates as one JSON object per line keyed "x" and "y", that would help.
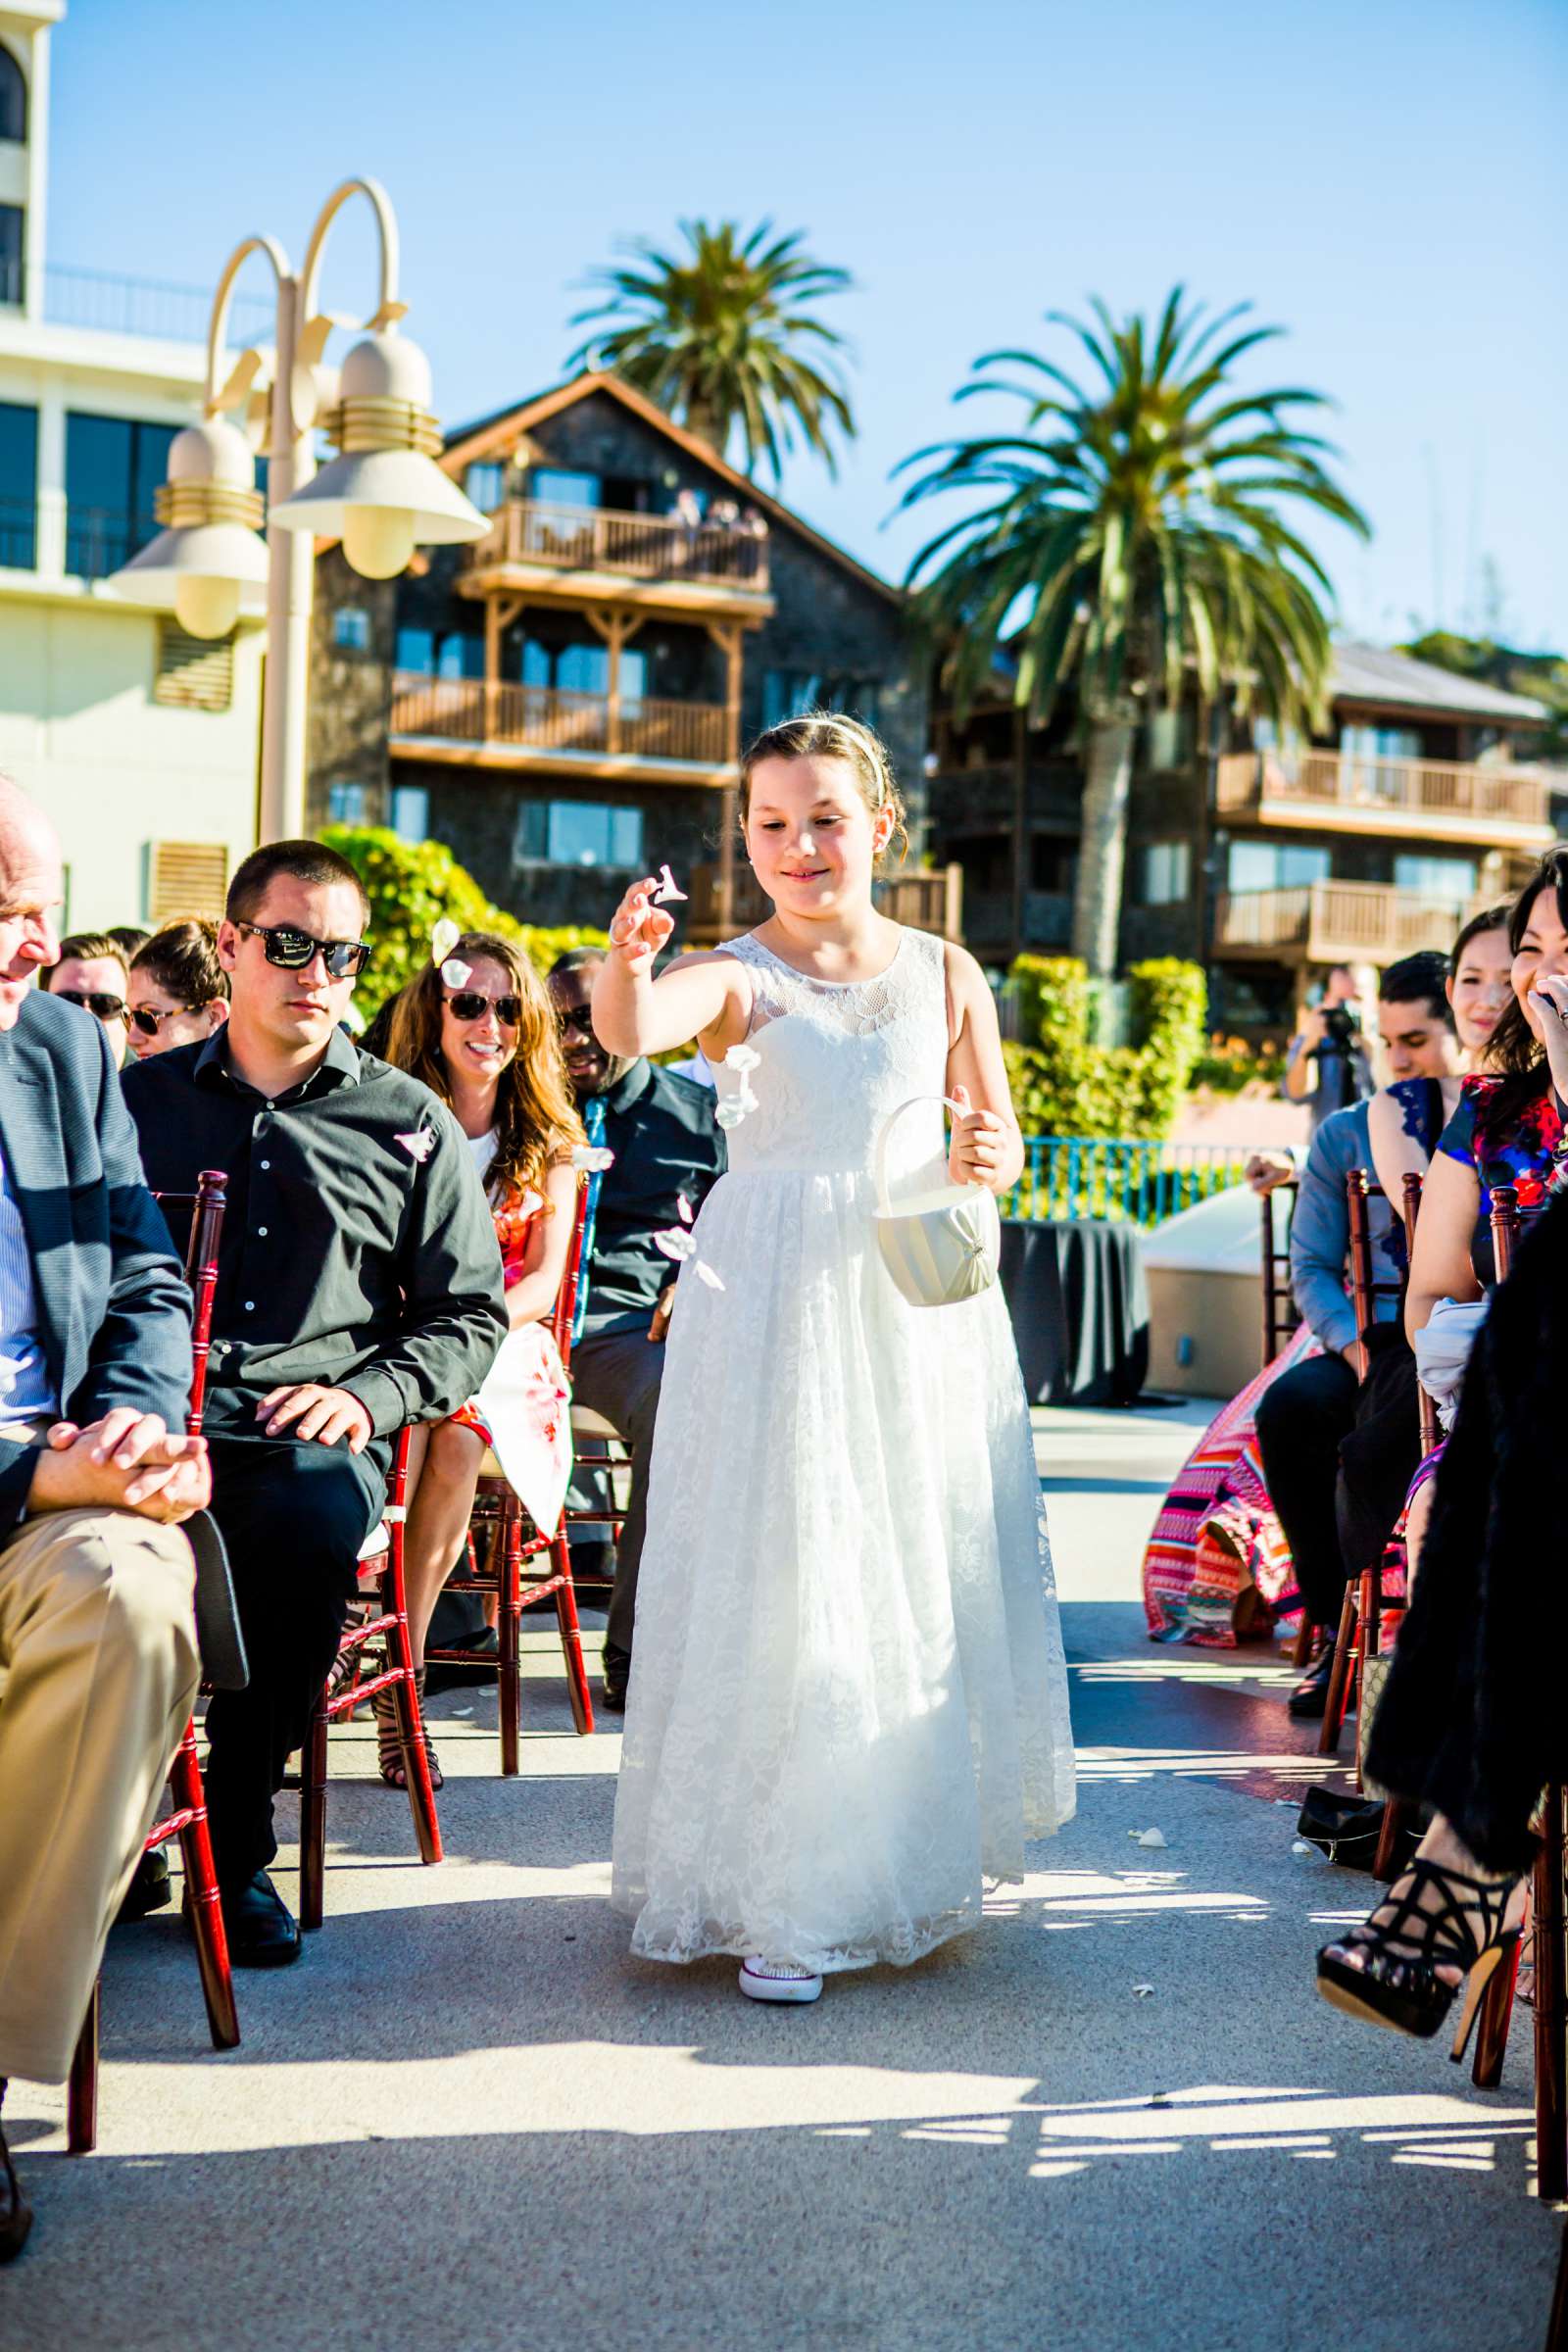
{"x": 511, "y": 1540}
{"x": 188, "y": 1819}
{"x": 378, "y": 1615}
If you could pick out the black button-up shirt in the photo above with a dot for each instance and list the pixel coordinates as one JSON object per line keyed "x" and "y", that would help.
{"x": 668, "y": 1142}
{"x": 357, "y": 1250}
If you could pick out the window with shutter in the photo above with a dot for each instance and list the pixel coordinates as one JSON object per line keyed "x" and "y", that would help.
{"x": 186, "y": 877}
{"x": 194, "y": 673}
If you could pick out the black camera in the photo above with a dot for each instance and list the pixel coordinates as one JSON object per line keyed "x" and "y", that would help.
{"x": 1342, "y": 1023}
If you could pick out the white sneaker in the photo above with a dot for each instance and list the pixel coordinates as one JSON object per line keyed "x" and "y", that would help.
{"x": 774, "y": 1980}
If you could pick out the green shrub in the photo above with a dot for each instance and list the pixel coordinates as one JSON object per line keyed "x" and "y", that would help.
{"x": 1062, "y": 1084}
{"x": 411, "y": 885}
{"x": 1228, "y": 1065}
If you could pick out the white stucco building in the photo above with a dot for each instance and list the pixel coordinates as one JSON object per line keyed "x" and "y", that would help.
{"x": 142, "y": 742}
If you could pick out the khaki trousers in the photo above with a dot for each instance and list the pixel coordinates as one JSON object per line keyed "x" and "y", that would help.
{"x": 98, "y": 1647}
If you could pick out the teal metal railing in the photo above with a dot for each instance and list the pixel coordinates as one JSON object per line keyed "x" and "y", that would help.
{"x": 1071, "y": 1176}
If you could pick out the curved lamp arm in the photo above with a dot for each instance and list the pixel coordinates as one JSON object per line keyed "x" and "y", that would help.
{"x": 217, "y": 326}
{"x": 388, "y": 310}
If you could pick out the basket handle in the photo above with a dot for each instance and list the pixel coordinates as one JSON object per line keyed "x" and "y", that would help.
{"x": 884, "y": 1204}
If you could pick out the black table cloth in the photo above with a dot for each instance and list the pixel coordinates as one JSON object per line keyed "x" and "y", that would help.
{"x": 1079, "y": 1304}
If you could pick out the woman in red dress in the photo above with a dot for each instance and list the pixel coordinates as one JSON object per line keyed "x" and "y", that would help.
{"x": 479, "y": 1030}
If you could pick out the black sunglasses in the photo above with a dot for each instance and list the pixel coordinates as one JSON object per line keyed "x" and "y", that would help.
{"x": 469, "y": 1006}
{"x": 92, "y": 1000}
{"x": 150, "y": 1023}
{"x": 291, "y": 951}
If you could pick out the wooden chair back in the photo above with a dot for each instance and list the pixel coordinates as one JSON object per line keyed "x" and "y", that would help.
{"x": 207, "y": 1205}
{"x": 1430, "y": 1430}
{"x": 1506, "y": 1228}
{"x": 1280, "y": 1314}
{"x": 1365, "y": 1290}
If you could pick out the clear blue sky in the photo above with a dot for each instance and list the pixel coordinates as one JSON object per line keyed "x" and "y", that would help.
{"x": 1388, "y": 179}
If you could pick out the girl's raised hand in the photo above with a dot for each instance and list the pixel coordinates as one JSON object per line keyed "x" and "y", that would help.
{"x": 979, "y": 1141}
{"x": 638, "y": 928}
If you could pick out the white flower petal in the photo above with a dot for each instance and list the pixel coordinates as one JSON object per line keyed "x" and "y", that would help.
{"x": 704, "y": 1273}
{"x": 443, "y": 939}
{"x": 742, "y": 1058}
{"x": 685, "y": 1209}
{"x": 668, "y": 888}
{"x": 729, "y": 1114}
{"x": 420, "y": 1144}
{"x": 456, "y": 974}
{"x": 593, "y": 1158}
{"x": 675, "y": 1244}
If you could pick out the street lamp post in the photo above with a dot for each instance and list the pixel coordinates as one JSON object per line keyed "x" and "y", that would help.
{"x": 382, "y": 494}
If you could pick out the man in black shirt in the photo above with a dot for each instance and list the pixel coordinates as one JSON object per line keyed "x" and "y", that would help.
{"x": 668, "y": 1147}
{"x": 358, "y": 1287}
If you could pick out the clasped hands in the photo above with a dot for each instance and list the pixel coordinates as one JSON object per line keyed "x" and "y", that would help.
{"x": 128, "y": 1461}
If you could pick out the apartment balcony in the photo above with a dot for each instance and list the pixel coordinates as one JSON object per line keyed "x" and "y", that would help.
{"x": 549, "y": 730}
{"x": 983, "y": 800}
{"x": 1425, "y": 800}
{"x": 925, "y": 902}
{"x": 1332, "y": 922}
{"x": 105, "y": 303}
{"x": 572, "y": 555}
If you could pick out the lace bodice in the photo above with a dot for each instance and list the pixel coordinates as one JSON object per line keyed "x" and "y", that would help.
{"x": 836, "y": 1060}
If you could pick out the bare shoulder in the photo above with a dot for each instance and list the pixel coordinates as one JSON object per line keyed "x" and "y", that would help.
{"x": 968, "y": 989}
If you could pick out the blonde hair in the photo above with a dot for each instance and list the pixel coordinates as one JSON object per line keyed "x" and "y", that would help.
{"x": 831, "y": 735}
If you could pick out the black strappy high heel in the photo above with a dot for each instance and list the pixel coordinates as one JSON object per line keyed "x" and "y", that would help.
{"x": 1398, "y": 1983}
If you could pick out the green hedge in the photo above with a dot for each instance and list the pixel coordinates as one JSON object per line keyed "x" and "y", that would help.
{"x": 1062, "y": 1084}
{"x": 411, "y": 885}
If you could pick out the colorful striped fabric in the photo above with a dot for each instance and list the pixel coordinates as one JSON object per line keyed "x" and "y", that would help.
{"x": 1217, "y": 1564}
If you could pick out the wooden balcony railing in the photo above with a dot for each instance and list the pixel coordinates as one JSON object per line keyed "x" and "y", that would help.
{"x": 1342, "y": 784}
{"x": 641, "y": 547}
{"x": 925, "y": 902}
{"x": 550, "y": 718}
{"x": 1329, "y": 922}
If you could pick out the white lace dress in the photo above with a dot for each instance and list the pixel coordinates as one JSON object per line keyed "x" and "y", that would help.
{"x": 849, "y": 1698}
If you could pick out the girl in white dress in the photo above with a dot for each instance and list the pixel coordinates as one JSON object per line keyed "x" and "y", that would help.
{"x": 848, "y": 1702}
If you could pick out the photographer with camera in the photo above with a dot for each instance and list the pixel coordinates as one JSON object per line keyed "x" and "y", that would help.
{"x": 1330, "y": 1049}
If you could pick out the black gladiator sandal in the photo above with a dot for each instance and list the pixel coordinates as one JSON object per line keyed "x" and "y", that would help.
{"x": 389, "y": 1739}
{"x": 1406, "y": 1943}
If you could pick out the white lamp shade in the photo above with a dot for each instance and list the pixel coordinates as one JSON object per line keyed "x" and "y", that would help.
{"x": 212, "y": 550}
{"x": 401, "y": 479}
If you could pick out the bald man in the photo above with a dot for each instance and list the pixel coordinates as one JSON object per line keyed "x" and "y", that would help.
{"x": 97, "y": 1639}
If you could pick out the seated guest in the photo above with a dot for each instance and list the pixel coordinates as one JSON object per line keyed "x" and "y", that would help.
{"x": 1334, "y": 1496}
{"x": 97, "y": 1636}
{"x": 480, "y": 1032}
{"x": 1471, "y": 1721}
{"x": 179, "y": 991}
{"x": 91, "y": 972}
{"x": 359, "y": 1289}
{"x": 128, "y": 938}
{"x": 669, "y": 1148}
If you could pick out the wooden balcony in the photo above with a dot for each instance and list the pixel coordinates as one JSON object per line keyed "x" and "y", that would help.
{"x": 546, "y": 727}
{"x": 572, "y": 555}
{"x": 1425, "y": 800}
{"x": 925, "y": 902}
{"x": 1332, "y": 922}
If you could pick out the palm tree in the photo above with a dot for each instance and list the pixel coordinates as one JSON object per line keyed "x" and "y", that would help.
{"x": 720, "y": 335}
{"x": 1136, "y": 534}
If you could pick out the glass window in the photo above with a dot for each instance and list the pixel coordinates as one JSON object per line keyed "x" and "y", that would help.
{"x": 553, "y": 486}
{"x": 351, "y": 629}
{"x": 1275, "y": 865}
{"x": 787, "y": 693}
{"x": 579, "y": 833}
{"x": 1379, "y": 743}
{"x": 1170, "y": 745}
{"x": 411, "y": 811}
{"x": 114, "y": 465}
{"x": 460, "y": 657}
{"x": 1445, "y": 881}
{"x": 19, "y": 486}
{"x": 11, "y": 222}
{"x": 1167, "y": 873}
{"x": 485, "y": 482}
{"x": 13, "y": 97}
{"x": 346, "y": 804}
{"x": 415, "y": 650}
{"x": 583, "y": 669}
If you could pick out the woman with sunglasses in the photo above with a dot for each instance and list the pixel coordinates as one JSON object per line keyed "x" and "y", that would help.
{"x": 178, "y": 990}
{"x": 480, "y": 1031}
{"x": 91, "y": 972}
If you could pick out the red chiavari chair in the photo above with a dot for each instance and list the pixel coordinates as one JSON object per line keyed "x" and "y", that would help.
{"x": 511, "y": 1540}
{"x": 188, "y": 1819}
{"x": 1281, "y": 1316}
{"x": 1395, "y": 1812}
{"x": 378, "y": 1620}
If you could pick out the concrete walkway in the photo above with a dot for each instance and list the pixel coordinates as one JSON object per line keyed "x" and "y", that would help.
{"x": 1116, "y": 2118}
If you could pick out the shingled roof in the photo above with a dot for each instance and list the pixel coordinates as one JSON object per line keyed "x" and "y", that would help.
{"x": 1370, "y": 673}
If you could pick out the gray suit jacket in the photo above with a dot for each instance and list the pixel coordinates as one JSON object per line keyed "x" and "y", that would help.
{"x": 114, "y": 1312}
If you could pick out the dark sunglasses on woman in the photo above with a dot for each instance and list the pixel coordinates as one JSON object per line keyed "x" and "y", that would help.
{"x": 92, "y": 1000}
{"x": 467, "y": 1004}
{"x": 150, "y": 1023}
{"x": 291, "y": 951}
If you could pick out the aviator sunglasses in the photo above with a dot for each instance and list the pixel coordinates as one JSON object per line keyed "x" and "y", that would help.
{"x": 149, "y": 1022}
{"x": 291, "y": 951}
{"x": 467, "y": 1004}
{"x": 93, "y": 1000}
